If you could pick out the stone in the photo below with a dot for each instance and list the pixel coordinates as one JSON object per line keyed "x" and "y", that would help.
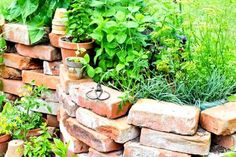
{"x": 51, "y": 68}
{"x": 62, "y": 116}
{"x": 11, "y": 73}
{"x": 109, "y": 108}
{"x": 90, "y": 137}
{"x": 54, "y": 107}
{"x": 228, "y": 141}
{"x": 40, "y": 79}
{"x": 118, "y": 129}
{"x": 164, "y": 116}
{"x": 94, "y": 153}
{"x": 220, "y": 120}
{"x": 19, "y": 33}
{"x": 66, "y": 82}
{"x": 43, "y": 52}
{"x": 17, "y": 61}
{"x": 135, "y": 149}
{"x": 52, "y": 121}
{"x": 50, "y": 96}
{"x": 54, "y": 39}
{"x": 69, "y": 106}
{"x": 75, "y": 146}
{"x": 12, "y": 86}
{"x": 198, "y": 144}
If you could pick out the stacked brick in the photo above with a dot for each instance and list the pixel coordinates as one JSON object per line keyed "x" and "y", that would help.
{"x": 27, "y": 63}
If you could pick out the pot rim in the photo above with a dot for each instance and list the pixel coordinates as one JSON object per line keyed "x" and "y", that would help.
{"x": 5, "y": 138}
{"x": 74, "y": 46}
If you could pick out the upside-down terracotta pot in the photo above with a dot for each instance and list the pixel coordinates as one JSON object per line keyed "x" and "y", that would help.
{"x": 4, "y": 139}
{"x": 68, "y": 49}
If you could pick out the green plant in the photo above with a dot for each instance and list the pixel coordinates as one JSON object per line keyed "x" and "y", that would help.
{"x": 39, "y": 146}
{"x": 79, "y": 19}
{"x": 3, "y": 100}
{"x": 35, "y": 14}
{"x": 59, "y": 148}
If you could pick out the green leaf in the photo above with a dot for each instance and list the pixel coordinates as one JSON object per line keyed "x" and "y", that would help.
{"x": 133, "y": 9}
{"x": 119, "y": 67}
{"x": 132, "y": 24}
{"x": 36, "y": 34}
{"x": 87, "y": 58}
{"x": 110, "y": 37}
{"x": 98, "y": 70}
{"x": 120, "y": 16}
{"x": 231, "y": 98}
{"x": 90, "y": 71}
{"x": 110, "y": 24}
{"x": 98, "y": 53}
{"x": 121, "y": 37}
{"x": 97, "y": 4}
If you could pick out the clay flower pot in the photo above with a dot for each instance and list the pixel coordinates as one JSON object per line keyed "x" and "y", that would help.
{"x": 68, "y": 49}
{"x": 35, "y": 132}
{"x": 75, "y": 69}
{"x": 4, "y": 139}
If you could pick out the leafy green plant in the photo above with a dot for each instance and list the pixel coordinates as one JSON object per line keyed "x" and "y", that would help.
{"x": 59, "y": 148}
{"x": 36, "y": 14}
{"x": 39, "y": 146}
{"x": 79, "y": 19}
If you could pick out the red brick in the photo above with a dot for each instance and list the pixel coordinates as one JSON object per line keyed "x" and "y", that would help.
{"x": 90, "y": 137}
{"x": 75, "y": 146}
{"x": 40, "y": 79}
{"x": 52, "y": 121}
{"x": 220, "y": 120}
{"x": 134, "y": 149}
{"x": 19, "y": 33}
{"x": 164, "y": 116}
{"x": 117, "y": 129}
{"x": 17, "y": 61}
{"x": 198, "y": 144}
{"x": 69, "y": 106}
{"x": 94, "y": 153}
{"x": 50, "y": 96}
{"x": 51, "y": 68}
{"x": 12, "y": 86}
{"x": 54, "y": 39}
{"x": 11, "y": 73}
{"x": 65, "y": 81}
{"x": 228, "y": 141}
{"x": 43, "y": 52}
{"x": 62, "y": 116}
{"x": 11, "y": 97}
{"x": 108, "y": 108}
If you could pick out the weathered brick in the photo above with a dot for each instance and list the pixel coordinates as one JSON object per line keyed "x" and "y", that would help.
{"x": 17, "y": 61}
{"x": 11, "y": 97}
{"x": 69, "y": 106}
{"x": 51, "y": 68}
{"x": 164, "y": 116}
{"x": 198, "y": 144}
{"x": 19, "y": 33}
{"x": 52, "y": 121}
{"x": 50, "y": 96}
{"x": 135, "y": 149}
{"x": 228, "y": 141}
{"x": 12, "y": 86}
{"x": 90, "y": 137}
{"x": 118, "y": 129}
{"x": 94, "y": 153}
{"x": 220, "y": 120}
{"x": 62, "y": 116}
{"x": 11, "y": 73}
{"x": 54, "y": 107}
{"x": 66, "y": 82}
{"x": 75, "y": 146}
{"x": 43, "y": 52}
{"x": 109, "y": 108}
{"x": 40, "y": 79}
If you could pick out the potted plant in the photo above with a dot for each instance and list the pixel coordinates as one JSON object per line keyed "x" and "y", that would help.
{"x": 78, "y": 29}
{"x": 5, "y": 134}
{"x": 74, "y": 65}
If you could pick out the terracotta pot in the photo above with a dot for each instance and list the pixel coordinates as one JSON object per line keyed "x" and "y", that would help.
{"x": 54, "y": 39}
{"x": 60, "y": 13}
{"x": 15, "y": 148}
{"x": 35, "y": 132}
{"x": 68, "y": 49}
{"x": 1, "y": 68}
{"x": 4, "y": 139}
{"x": 58, "y": 28}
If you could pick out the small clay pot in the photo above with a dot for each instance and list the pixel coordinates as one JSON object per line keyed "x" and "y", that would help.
{"x": 54, "y": 39}
{"x": 4, "y": 139}
{"x": 60, "y": 13}
{"x": 35, "y": 132}
{"x": 75, "y": 69}
{"x": 68, "y": 49}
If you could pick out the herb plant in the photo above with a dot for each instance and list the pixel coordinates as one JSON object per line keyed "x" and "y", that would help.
{"x": 79, "y": 19}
